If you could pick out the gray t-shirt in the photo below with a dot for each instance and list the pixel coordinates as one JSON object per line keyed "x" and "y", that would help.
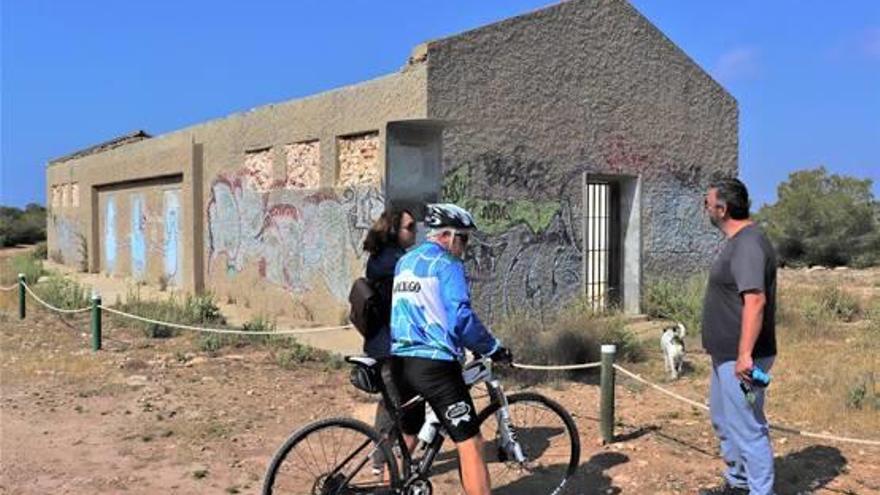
{"x": 747, "y": 262}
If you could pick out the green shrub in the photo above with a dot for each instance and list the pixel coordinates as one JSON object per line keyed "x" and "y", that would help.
{"x": 190, "y": 310}
{"x": 290, "y": 353}
{"x": 863, "y": 393}
{"x": 678, "y": 300}
{"x": 41, "y": 251}
{"x": 29, "y": 266}
{"x": 26, "y": 226}
{"x": 213, "y": 342}
{"x": 63, "y": 293}
{"x": 823, "y": 219}
{"x": 841, "y": 305}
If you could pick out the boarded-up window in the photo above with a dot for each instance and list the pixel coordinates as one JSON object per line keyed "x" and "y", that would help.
{"x": 303, "y": 165}
{"x": 74, "y": 195}
{"x": 65, "y": 195}
{"x": 258, "y": 167}
{"x": 56, "y": 197}
{"x": 359, "y": 160}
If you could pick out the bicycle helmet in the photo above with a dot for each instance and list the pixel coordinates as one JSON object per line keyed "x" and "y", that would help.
{"x": 448, "y": 215}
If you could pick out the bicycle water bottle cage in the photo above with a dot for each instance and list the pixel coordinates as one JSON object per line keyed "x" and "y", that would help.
{"x": 365, "y": 374}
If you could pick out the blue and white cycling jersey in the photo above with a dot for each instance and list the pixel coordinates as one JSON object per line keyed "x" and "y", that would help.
{"x": 431, "y": 315}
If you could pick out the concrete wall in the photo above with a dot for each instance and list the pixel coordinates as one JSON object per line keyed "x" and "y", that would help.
{"x": 131, "y": 216}
{"x": 273, "y": 203}
{"x": 587, "y": 85}
{"x": 141, "y": 230}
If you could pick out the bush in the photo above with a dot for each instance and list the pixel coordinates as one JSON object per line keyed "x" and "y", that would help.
{"x": 839, "y": 304}
{"x": 678, "y": 300}
{"x": 863, "y": 394}
{"x": 41, "y": 251}
{"x": 26, "y": 226}
{"x": 823, "y": 219}
{"x": 813, "y": 312}
{"x": 29, "y": 266}
{"x": 213, "y": 342}
{"x": 289, "y": 353}
{"x": 64, "y": 293}
{"x": 191, "y": 310}
{"x": 572, "y": 336}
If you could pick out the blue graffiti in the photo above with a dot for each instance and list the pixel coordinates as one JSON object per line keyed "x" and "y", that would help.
{"x": 171, "y": 246}
{"x": 110, "y": 237}
{"x": 138, "y": 237}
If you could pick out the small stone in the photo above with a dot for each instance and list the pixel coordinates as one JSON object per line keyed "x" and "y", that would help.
{"x": 136, "y": 381}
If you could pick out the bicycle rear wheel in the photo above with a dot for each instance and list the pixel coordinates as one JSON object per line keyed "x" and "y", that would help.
{"x": 332, "y": 456}
{"x": 549, "y": 439}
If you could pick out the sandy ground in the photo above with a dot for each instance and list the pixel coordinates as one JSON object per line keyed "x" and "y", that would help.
{"x": 143, "y": 416}
{"x": 147, "y": 416}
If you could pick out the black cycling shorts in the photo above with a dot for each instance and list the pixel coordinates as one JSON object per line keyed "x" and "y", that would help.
{"x": 441, "y": 384}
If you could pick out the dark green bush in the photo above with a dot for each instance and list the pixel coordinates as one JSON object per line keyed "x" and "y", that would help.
{"x": 824, "y": 219}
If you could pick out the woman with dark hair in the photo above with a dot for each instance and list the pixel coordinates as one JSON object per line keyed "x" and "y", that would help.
{"x": 388, "y": 239}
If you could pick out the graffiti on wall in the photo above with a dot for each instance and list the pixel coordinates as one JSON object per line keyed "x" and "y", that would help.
{"x": 293, "y": 239}
{"x": 525, "y": 270}
{"x": 70, "y": 241}
{"x": 138, "y": 237}
{"x": 110, "y": 245}
{"x": 526, "y": 257}
{"x": 171, "y": 245}
{"x": 680, "y": 225}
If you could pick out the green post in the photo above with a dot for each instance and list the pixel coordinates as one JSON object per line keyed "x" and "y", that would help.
{"x": 96, "y": 322}
{"x": 22, "y": 310}
{"x": 606, "y": 407}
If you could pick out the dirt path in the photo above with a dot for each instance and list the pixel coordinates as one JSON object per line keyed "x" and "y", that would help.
{"x": 148, "y": 416}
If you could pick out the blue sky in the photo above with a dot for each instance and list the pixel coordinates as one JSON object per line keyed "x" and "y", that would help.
{"x": 806, "y": 73}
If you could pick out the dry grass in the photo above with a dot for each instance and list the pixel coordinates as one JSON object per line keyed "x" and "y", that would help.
{"x": 829, "y": 349}
{"x": 573, "y": 335}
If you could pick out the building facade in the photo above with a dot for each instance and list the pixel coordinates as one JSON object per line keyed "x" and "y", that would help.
{"x": 579, "y": 135}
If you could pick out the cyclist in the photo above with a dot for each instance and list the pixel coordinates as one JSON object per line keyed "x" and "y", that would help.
{"x": 431, "y": 324}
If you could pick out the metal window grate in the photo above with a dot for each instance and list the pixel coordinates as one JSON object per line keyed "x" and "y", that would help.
{"x": 601, "y": 244}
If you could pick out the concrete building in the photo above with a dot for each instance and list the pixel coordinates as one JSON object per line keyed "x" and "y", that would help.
{"x": 579, "y": 135}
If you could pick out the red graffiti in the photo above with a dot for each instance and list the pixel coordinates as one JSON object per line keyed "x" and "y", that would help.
{"x": 621, "y": 155}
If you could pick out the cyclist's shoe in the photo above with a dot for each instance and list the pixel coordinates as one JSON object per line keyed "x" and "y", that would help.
{"x": 724, "y": 489}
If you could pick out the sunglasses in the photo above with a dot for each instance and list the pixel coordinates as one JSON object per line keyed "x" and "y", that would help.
{"x": 463, "y": 236}
{"x": 411, "y": 227}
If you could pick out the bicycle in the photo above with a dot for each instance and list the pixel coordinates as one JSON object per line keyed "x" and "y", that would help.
{"x": 511, "y": 445}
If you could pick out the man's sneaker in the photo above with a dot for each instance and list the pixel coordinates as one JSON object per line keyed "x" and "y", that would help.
{"x": 724, "y": 489}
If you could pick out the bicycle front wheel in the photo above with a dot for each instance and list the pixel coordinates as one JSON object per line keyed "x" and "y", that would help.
{"x": 334, "y": 456}
{"x": 548, "y": 437}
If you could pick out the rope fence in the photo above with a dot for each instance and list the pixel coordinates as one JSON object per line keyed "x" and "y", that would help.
{"x": 7, "y": 289}
{"x": 607, "y": 365}
{"x": 228, "y": 331}
{"x": 563, "y": 367}
{"x": 782, "y": 429}
{"x": 53, "y": 308}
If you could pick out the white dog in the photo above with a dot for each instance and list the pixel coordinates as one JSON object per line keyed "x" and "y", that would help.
{"x": 672, "y": 344}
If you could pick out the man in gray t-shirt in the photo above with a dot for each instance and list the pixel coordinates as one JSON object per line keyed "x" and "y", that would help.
{"x": 739, "y": 334}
